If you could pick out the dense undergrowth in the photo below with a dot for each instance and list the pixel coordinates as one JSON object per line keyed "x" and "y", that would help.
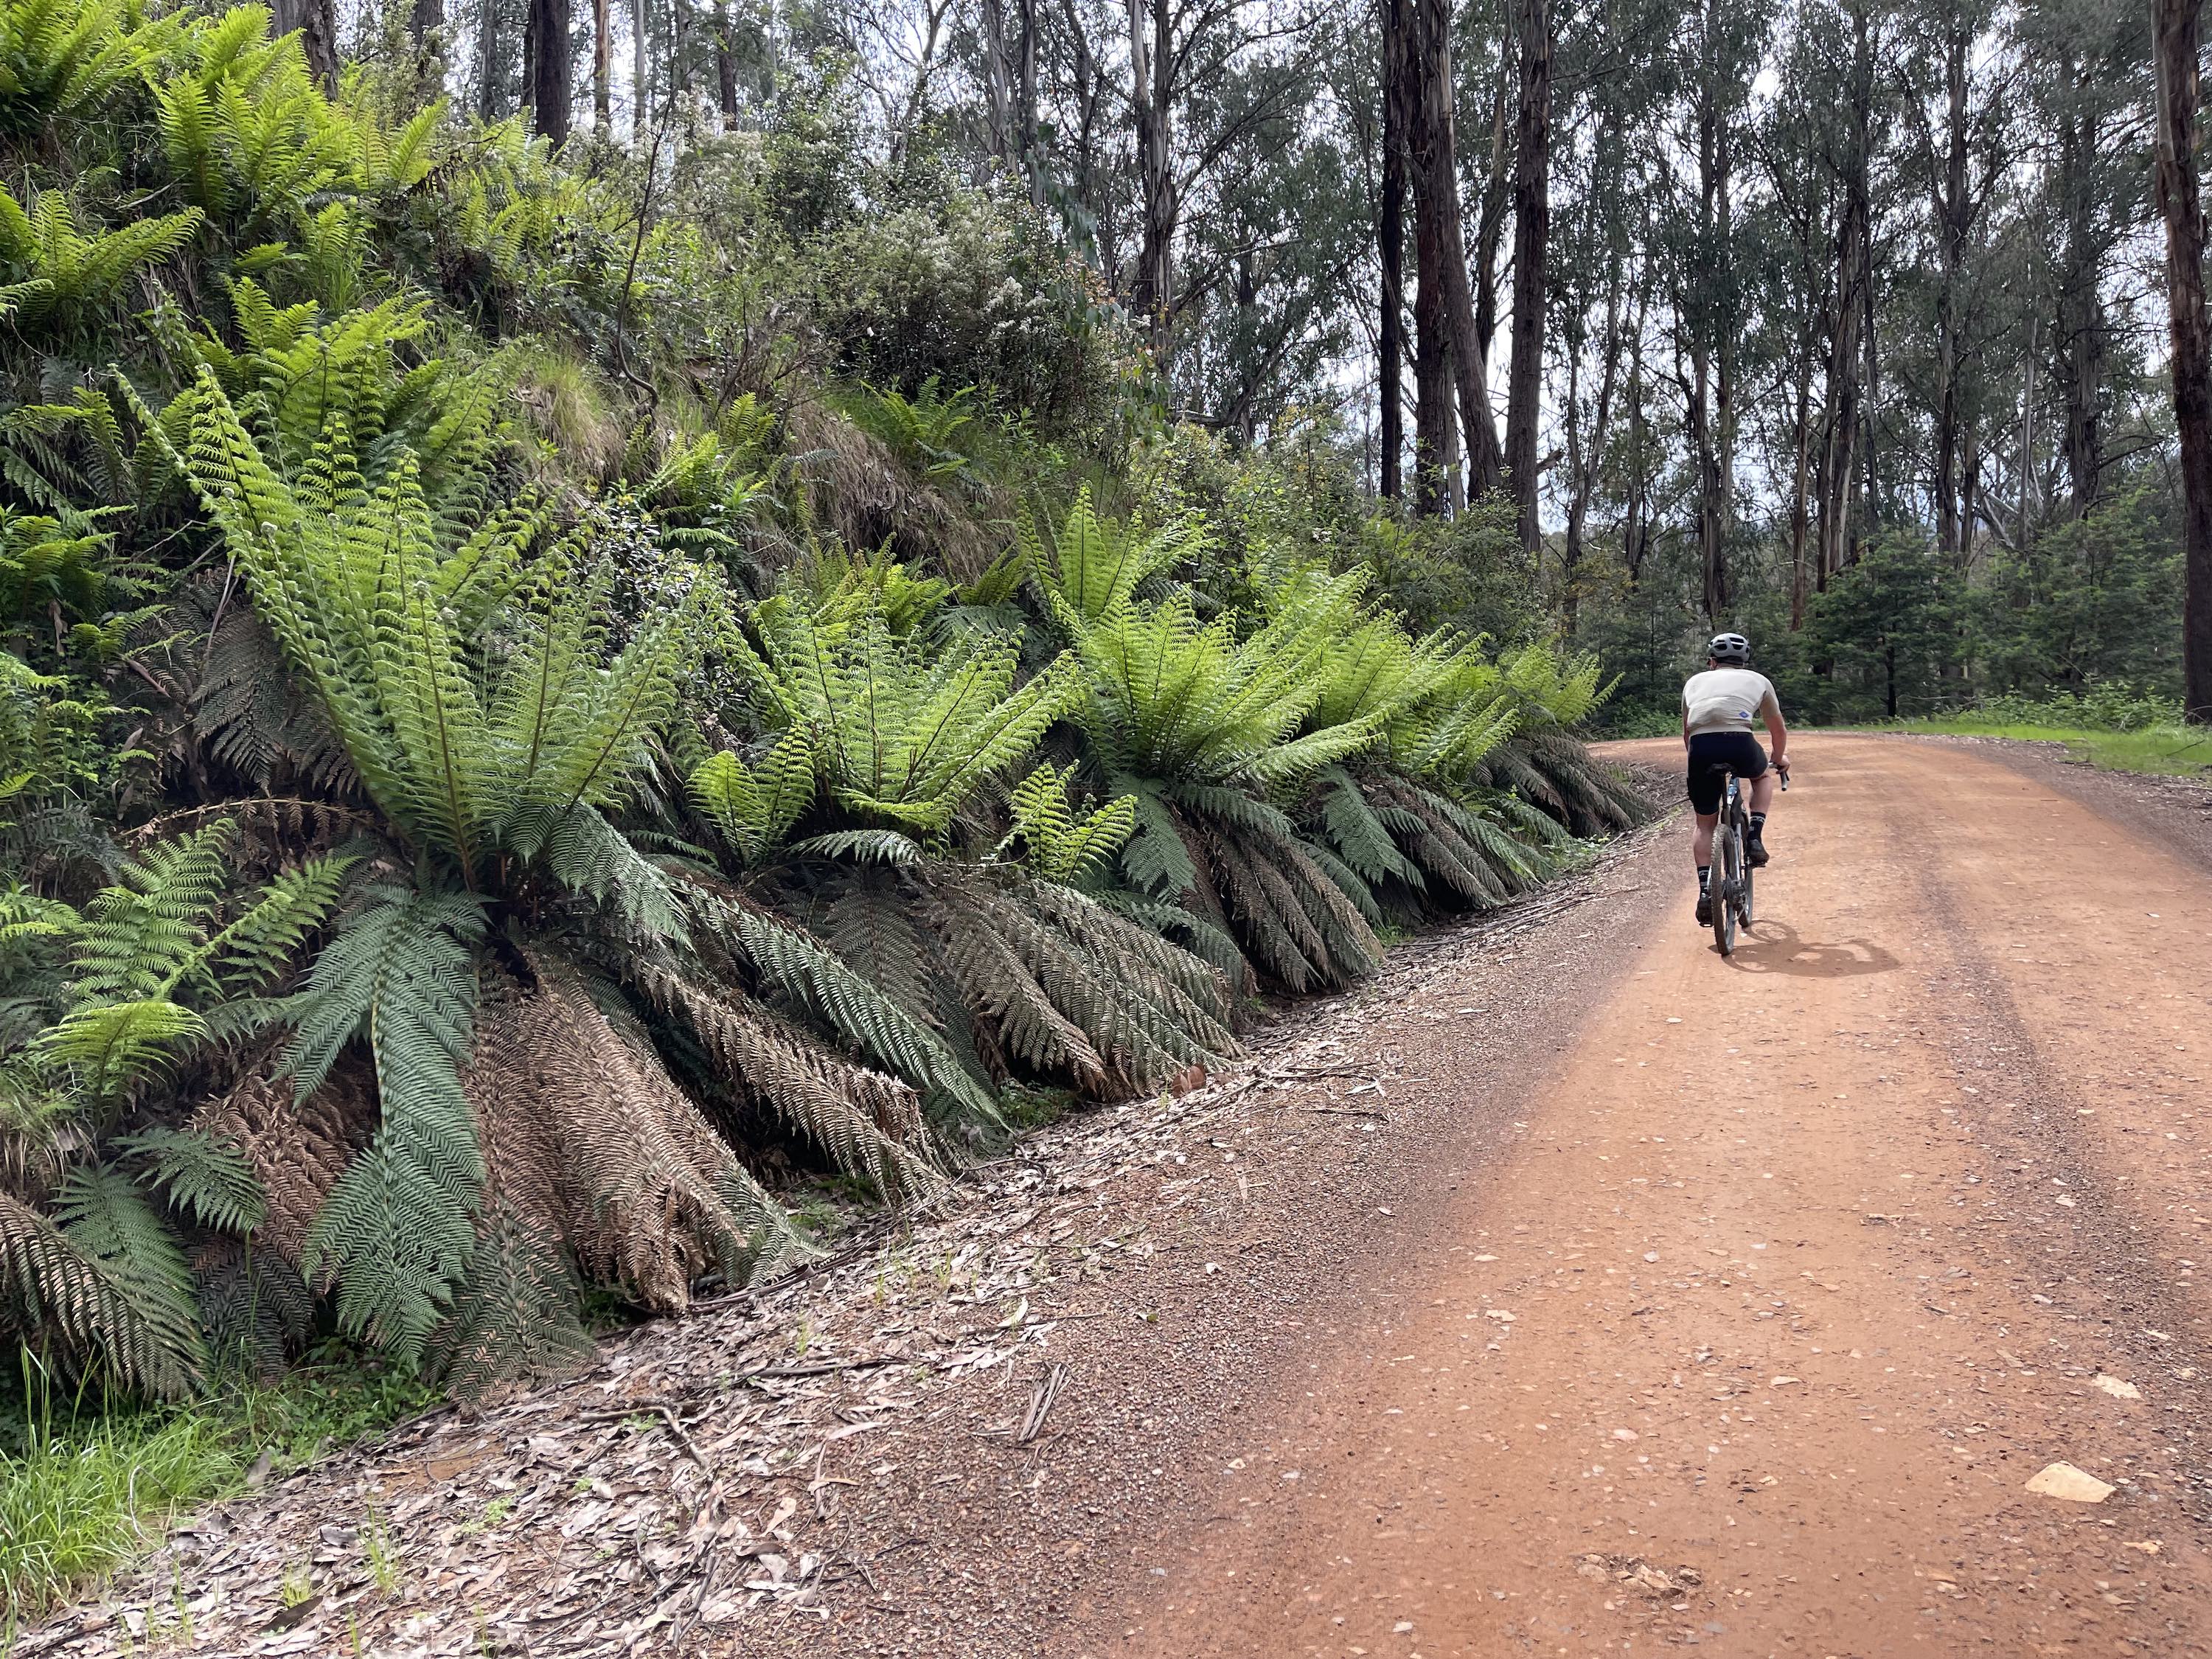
{"x": 547, "y": 699}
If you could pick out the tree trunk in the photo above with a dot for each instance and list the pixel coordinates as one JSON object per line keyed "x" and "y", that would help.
{"x": 725, "y": 66}
{"x": 1797, "y": 502}
{"x": 316, "y": 22}
{"x": 1852, "y": 274}
{"x": 1434, "y": 431}
{"x": 1010, "y": 90}
{"x": 1636, "y": 523}
{"x": 998, "y": 72}
{"x": 2027, "y": 436}
{"x": 2082, "y": 326}
{"x": 1390, "y": 238}
{"x": 1436, "y": 184}
{"x": 1025, "y": 97}
{"x": 488, "y": 64}
{"x": 1151, "y": 293}
{"x": 1492, "y": 211}
{"x": 426, "y": 23}
{"x": 546, "y": 78}
{"x": 1532, "y": 229}
{"x": 1707, "y": 311}
{"x": 640, "y": 73}
{"x": 1586, "y": 450}
{"x": 602, "y": 57}
{"x": 2175, "y": 25}
{"x": 1953, "y": 214}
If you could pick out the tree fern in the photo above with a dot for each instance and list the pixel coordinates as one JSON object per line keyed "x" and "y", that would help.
{"x": 63, "y": 59}
{"x": 65, "y": 270}
{"x": 902, "y": 738}
{"x": 358, "y": 587}
{"x": 396, "y": 1231}
{"x": 1088, "y": 566}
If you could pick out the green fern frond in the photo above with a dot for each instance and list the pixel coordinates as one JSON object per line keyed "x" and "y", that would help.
{"x": 62, "y": 1293}
{"x": 516, "y": 1317}
{"x": 1058, "y": 843}
{"x": 104, "y": 1215}
{"x": 397, "y": 1229}
{"x": 208, "y": 1179}
{"x": 885, "y": 847}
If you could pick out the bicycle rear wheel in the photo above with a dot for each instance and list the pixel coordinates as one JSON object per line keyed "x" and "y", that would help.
{"x": 1728, "y": 871}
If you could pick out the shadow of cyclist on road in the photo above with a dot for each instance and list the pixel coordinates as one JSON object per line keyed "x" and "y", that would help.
{"x": 1770, "y": 946}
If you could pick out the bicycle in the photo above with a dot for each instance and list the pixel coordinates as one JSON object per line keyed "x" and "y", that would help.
{"x": 1733, "y": 872}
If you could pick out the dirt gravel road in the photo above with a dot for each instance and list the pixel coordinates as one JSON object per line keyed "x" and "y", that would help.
{"x": 1806, "y": 1263}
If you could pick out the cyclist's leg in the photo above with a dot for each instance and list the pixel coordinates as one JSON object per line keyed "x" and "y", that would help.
{"x": 1749, "y": 763}
{"x": 1708, "y": 776}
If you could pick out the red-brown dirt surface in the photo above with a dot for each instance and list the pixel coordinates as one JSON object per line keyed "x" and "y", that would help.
{"x": 1808, "y": 1262}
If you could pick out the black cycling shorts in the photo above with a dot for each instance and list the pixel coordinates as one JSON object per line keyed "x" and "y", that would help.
{"x": 1713, "y": 756}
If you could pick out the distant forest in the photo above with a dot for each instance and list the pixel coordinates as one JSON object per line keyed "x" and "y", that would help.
{"x": 1844, "y": 324}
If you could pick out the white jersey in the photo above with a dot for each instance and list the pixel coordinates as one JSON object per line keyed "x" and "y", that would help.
{"x": 1727, "y": 700}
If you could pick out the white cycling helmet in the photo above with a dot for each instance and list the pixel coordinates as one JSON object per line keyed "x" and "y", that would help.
{"x": 1729, "y": 647}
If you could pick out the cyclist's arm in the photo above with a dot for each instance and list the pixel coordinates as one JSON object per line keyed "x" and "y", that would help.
{"x": 1778, "y": 735}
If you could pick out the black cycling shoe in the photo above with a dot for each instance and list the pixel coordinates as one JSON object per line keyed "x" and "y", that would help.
{"x": 1704, "y": 906}
{"x": 1754, "y": 851}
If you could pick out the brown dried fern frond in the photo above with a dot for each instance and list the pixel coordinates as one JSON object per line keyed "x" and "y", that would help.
{"x": 593, "y": 1140}
{"x": 298, "y": 1149}
{"x": 870, "y": 1123}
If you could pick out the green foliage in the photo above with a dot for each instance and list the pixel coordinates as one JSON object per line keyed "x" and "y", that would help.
{"x": 363, "y": 593}
{"x": 900, "y": 738}
{"x": 357, "y": 467}
{"x": 397, "y": 1233}
{"x": 56, "y": 273}
{"x": 83, "y": 1490}
{"x": 924, "y": 431}
{"x": 208, "y": 1181}
{"x": 1090, "y": 566}
{"x": 1059, "y": 845}
{"x": 76, "y": 1505}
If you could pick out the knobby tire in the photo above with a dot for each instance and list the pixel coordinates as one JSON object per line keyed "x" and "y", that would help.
{"x": 1724, "y": 883}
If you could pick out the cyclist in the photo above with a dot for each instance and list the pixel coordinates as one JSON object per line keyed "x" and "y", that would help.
{"x": 1718, "y": 708}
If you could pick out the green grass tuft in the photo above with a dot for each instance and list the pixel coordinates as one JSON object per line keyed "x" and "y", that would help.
{"x": 83, "y": 1495}
{"x": 2165, "y": 751}
{"x": 77, "y": 1506}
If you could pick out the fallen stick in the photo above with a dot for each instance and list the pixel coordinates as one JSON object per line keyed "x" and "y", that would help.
{"x": 1048, "y": 1390}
